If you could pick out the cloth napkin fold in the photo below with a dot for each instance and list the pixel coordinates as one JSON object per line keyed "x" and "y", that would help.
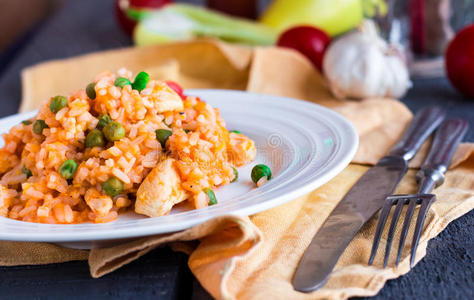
{"x": 256, "y": 256}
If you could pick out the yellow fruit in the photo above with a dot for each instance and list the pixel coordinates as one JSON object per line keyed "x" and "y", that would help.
{"x": 332, "y": 16}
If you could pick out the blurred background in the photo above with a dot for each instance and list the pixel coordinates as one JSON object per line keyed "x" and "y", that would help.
{"x": 443, "y": 17}
{"x": 411, "y": 35}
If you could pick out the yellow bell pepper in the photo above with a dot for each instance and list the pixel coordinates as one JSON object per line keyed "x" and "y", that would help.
{"x": 332, "y": 16}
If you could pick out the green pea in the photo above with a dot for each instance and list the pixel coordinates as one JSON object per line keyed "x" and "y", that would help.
{"x": 140, "y": 81}
{"x": 26, "y": 122}
{"x": 114, "y": 131}
{"x": 212, "y": 197}
{"x": 235, "y": 131}
{"x": 121, "y": 82}
{"x": 68, "y": 168}
{"x": 103, "y": 121}
{"x": 38, "y": 126}
{"x": 162, "y": 136}
{"x": 260, "y": 171}
{"x": 26, "y": 171}
{"x": 236, "y": 174}
{"x": 95, "y": 138}
{"x": 57, "y": 103}
{"x": 112, "y": 187}
{"x": 90, "y": 90}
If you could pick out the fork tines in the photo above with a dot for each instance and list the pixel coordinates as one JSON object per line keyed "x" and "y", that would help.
{"x": 425, "y": 200}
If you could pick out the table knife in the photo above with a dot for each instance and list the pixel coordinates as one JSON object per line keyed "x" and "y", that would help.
{"x": 362, "y": 201}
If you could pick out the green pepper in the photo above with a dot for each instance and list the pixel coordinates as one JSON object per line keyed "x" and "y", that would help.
{"x": 236, "y": 174}
{"x": 103, "y": 121}
{"x": 68, "y": 168}
{"x": 90, "y": 90}
{"x": 57, "y": 103}
{"x": 26, "y": 171}
{"x": 140, "y": 82}
{"x": 38, "y": 126}
{"x": 212, "y": 197}
{"x": 260, "y": 171}
{"x": 95, "y": 138}
{"x": 121, "y": 82}
{"x": 235, "y": 131}
{"x": 162, "y": 136}
{"x": 114, "y": 131}
{"x": 112, "y": 187}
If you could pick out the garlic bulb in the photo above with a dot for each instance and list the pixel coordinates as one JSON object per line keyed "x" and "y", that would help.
{"x": 362, "y": 65}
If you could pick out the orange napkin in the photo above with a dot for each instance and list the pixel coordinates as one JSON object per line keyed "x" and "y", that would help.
{"x": 256, "y": 256}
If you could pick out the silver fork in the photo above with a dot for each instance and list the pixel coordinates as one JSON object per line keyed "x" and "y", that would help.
{"x": 431, "y": 175}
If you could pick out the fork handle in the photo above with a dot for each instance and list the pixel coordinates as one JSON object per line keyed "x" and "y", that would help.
{"x": 446, "y": 140}
{"x": 421, "y": 127}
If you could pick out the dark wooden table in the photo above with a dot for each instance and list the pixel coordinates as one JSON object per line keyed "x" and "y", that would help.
{"x": 89, "y": 25}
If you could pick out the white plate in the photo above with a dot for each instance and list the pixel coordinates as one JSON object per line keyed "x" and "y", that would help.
{"x": 304, "y": 144}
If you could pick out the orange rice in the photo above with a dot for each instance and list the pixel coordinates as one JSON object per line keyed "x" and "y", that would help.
{"x": 203, "y": 148}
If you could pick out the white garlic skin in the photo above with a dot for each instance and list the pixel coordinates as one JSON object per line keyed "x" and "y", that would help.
{"x": 361, "y": 65}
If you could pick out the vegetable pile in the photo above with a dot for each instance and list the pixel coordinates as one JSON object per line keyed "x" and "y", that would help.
{"x": 356, "y": 63}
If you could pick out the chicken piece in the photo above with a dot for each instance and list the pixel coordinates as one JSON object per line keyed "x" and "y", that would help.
{"x": 241, "y": 149}
{"x": 14, "y": 176}
{"x": 167, "y": 99}
{"x": 160, "y": 190}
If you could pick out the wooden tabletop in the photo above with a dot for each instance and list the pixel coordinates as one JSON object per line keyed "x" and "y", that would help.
{"x": 89, "y": 25}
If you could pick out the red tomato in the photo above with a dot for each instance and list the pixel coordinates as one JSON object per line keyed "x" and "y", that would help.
{"x": 309, "y": 41}
{"x": 460, "y": 61}
{"x": 176, "y": 87}
{"x": 125, "y": 22}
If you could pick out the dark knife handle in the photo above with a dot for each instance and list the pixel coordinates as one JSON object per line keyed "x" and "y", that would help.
{"x": 446, "y": 140}
{"x": 421, "y": 127}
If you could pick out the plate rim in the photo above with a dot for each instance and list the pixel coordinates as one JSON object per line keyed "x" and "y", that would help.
{"x": 339, "y": 123}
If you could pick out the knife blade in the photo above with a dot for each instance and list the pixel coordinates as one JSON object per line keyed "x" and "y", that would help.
{"x": 361, "y": 202}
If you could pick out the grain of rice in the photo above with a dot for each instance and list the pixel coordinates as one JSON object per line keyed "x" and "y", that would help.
{"x": 114, "y": 114}
{"x": 169, "y": 120}
{"x": 122, "y": 162}
{"x": 217, "y": 179}
{"x": 149, "y": 163}
{"x": 33, "y": 193}
{"x": 61, "y": 113}
{"x": 43, "y": 211}
{"x": 121, "y": 175}
{"x": 194, "y": 139}
{"x": 11, "y": 146}
{"x": 201, "y": 119}
{"x": 133, "y": 132}
{"x": 135, "y": 178}
{"x": 152, "y": 144}
{"x": 27, "y": 210}
{"x": 68, "y": 215}
{"x": 109, "y": 163}
{"x": 122, "y": 202}
{"x": 115, "y": 151}
{"x": 131, "y": 163}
